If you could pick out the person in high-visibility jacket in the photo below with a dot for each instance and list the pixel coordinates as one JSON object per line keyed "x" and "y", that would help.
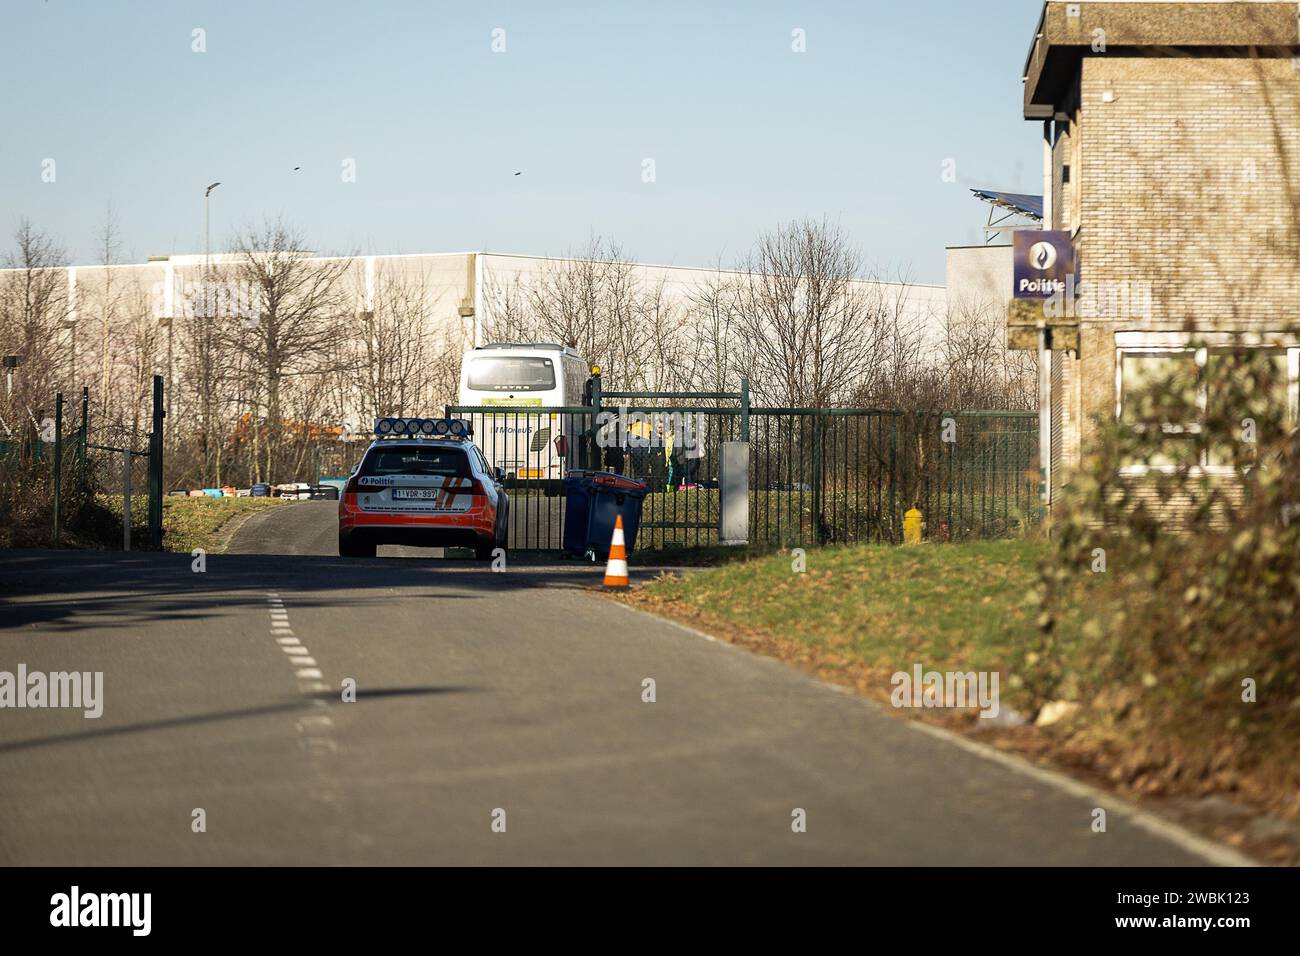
{"x": 668, "y": 453}
{"x": 692, "y": 451}
{"x": 640, "y": 432}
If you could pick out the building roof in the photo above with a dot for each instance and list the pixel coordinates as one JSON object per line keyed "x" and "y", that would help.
{"x": 1136, "y": 28}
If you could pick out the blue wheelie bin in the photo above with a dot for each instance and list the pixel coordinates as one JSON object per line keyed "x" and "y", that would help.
{"x": 608, "y": 496}
{"x": 576, "y": 501}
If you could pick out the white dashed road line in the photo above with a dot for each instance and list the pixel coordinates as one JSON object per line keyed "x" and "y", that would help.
{"x": 315, "y": 730}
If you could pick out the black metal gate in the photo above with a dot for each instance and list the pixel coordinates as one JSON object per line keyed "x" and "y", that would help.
{"x": 816, "y": 476}
{"x": 535, "y": 446}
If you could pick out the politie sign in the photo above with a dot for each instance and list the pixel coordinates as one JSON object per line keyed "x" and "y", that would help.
{"x": 1043, "y": 258}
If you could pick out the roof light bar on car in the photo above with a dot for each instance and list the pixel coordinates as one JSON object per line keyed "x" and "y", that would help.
{"x": 423, "y": 428}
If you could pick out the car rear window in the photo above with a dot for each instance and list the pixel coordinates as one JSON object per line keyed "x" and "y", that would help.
{"x": 421, "y": 460}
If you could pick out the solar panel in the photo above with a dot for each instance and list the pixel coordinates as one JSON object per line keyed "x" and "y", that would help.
{"x": 1025, "y": 203}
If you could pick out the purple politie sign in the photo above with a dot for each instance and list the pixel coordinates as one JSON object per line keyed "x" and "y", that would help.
{"x": 1043, "y": 258}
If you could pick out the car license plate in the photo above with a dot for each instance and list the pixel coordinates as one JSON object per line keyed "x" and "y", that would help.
{"x": 423, "y": 494}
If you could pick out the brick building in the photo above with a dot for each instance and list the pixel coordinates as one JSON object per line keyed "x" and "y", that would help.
{"x": 1172, "y": 157}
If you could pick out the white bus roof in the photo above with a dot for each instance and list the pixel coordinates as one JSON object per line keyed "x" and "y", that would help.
{"x": 536, "y": 346}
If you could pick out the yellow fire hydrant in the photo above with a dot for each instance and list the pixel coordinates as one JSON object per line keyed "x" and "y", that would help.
{"x": 912, "y": 525}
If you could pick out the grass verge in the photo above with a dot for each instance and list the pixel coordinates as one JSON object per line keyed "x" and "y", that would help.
{"x": 858, "y": 614}
{"x": 188, "y": 523}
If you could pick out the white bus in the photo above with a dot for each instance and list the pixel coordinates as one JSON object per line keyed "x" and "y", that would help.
{"x": 516, "y": 377}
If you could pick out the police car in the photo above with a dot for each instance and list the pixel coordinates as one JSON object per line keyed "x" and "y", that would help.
{"x": 423, "y": 482}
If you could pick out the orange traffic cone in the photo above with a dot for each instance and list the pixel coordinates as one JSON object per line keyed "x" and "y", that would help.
{"x": 616, "y": 567}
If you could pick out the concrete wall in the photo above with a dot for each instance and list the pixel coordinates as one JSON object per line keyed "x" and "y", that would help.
{"x": 448, "y": 285}
{"x": 446, "y": 281}
{"x": 979, "y": 277}
{"x": 923, "y": 303}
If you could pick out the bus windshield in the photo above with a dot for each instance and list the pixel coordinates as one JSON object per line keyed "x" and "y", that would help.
{"x": 513, "y": 374}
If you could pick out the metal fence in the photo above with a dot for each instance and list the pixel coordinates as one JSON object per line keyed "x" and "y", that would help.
{"x": 840, "y": 476}
{"x": 85, "y": 457}
{"x": 816, "y": 476}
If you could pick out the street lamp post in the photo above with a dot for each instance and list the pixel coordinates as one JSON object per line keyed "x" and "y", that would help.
{"x": 205, "y": 382}
{"x": 166, "y": 322}
{"x": 207, "y": 233}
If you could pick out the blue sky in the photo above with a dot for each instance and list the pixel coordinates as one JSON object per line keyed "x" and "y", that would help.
{"x": 743, "y": 132}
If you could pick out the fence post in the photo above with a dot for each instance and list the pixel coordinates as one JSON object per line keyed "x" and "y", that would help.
{"x": 817, "y": 478}
{"x": 156, "y": 467}
{"x": 893, "y": 472}
{"x": 84, "y": 435}
{"x": 58, "y": 466}
{"x": 744, "y": 408}
{"x": 126, "y": 499}
{"x": 733, "y": 493}
{"x": 594, "y": 456}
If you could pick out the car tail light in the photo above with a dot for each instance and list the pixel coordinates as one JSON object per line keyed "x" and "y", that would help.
{"x": 469, "y": 487}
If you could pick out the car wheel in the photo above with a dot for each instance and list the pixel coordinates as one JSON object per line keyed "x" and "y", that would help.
{"x": 355, "y": 549}
{"x": 483, "y": 552}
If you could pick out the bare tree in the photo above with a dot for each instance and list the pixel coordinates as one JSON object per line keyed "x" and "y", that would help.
{"x": 594, "y": 301}
{"x": 662, "y": 339}
{"x": 109, "y": 241}
{"x": 33, "y": 308}
{"x": 810, "y": 328}
{"x": 301, "y": 305}
{"x": 393, "y": 345}
{"x": 141, "y": 339}
{"x": 711, "y": 358}
{"x": 508, "y": 315}
{"x": 441, "y": 372}
{"x": 980, "y": 372}
{"x": 204, "y": 365}
{"x": 398, "y": 365}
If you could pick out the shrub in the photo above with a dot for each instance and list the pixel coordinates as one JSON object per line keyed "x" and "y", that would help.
{"x": 27, "y": 502}
{"x": 1196, "y": 605}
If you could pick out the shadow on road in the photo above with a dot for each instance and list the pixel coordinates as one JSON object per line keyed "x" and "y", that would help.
{"x": 116, "y": 589}
{"x": 298, "y": 703}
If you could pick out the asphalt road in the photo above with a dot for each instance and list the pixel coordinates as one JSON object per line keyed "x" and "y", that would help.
{"x": 478, "y": 693}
